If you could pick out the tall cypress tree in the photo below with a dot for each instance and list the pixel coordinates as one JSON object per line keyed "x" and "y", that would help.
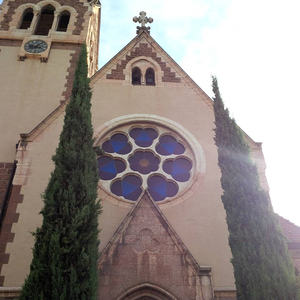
{"x": 262, "y": 267}
{"x": 65, "y": 253}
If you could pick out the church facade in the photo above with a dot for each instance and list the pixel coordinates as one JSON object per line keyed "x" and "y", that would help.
{"x": 163, "y": 226}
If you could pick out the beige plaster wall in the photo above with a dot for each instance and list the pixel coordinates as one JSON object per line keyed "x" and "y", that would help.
{"x": 38, "y": 156}
{"x": 200, "y": 219}
{"x": 29, "y": 91}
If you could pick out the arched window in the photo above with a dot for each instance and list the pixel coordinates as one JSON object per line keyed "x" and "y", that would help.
{"x": 63, "y": 21}
{"x": 150, "y": 77}
{"x": 45, "y": 21}
{"x": 27, "y": 18}
{"x": 136, "y": 76}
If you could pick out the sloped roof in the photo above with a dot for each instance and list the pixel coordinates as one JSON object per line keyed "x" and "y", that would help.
{"x": 290, "y": 230}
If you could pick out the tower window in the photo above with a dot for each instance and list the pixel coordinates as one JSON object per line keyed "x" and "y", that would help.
{"x": 136, "y": 76}
{"x": 150, "y": 77}
{"x": 45, "y": 21}
{"x": 63, "y": 22}
{"x": 27, "y": 18}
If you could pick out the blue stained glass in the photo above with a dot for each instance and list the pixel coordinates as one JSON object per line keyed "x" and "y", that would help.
{"x": 178, "y": 168}
{"x": 130, "y": 187}
{"x": 118, "y": 143}
{"x": 109, "y": 167}
{"x": 160, "y": 188}
{"x": 143, "y": 137}
{"x": 168, "y": 145}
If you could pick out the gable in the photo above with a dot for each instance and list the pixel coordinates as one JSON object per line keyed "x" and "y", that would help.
{"x": 143, "y": 46}
{"x": 145, "y": 249}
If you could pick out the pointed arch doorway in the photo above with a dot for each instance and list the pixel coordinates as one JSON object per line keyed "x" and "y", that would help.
{"x": 146, "y": 291}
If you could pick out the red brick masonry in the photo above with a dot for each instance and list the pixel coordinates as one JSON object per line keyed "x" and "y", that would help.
{"x": 6, "y": 170}
{"x": 145, "y": 251}
{"x": 6, "y": 235}
{"x": 143, "y": 50}
{"x": 13, "y": 4}
{"x": 292, "y": 233}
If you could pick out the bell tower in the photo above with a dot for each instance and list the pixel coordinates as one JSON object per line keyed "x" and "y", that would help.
{"x": 39, "y": 45}
{"x": 40, "y": 42}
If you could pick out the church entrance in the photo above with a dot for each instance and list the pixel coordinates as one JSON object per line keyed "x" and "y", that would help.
{"x": 147, "y": 292}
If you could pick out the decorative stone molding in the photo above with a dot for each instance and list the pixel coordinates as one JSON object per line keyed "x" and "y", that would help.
{"x": 225, "y": 295}
{"x": 143, "y": 49}
{"x": 10, "y": 293}
{"x": 145, "y": 249}
{"x": 199, "y": 161}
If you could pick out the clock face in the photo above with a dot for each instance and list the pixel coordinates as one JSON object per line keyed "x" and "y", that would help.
{"x": 36, "y": 46}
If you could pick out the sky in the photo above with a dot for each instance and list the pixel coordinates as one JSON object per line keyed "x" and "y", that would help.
{"x": 253, "y": 48}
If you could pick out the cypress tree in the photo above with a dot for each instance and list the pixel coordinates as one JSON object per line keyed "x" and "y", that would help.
{"x": 64, "y": 264}
{"x": 262, "y": 266}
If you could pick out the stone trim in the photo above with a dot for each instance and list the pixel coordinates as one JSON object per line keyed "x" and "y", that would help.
{"x": 71, "y": 70}
{"x": 225, "y": 295}
{"x": 10, "y": 43}
{"x": 11, "y": 217}
{"x": 10, "y": 293}
{"x": 80, "y": 8}
{"x": 143, "y": 49}
{"x": 146, "y": 289}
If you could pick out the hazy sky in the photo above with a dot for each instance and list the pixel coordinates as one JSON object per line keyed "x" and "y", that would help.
{"x": 253, "y": 48}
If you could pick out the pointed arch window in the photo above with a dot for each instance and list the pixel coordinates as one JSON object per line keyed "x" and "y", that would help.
{"x": 26, "y": 18}
{"x": 150, "y": 77}
{"x": 45, "y": 21}
{"x": 63, "y": 21}
{"x": 136, "y": 76}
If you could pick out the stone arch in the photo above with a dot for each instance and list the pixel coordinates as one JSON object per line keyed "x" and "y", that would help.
{"x": 136, "y": 76}
{"x": 143, "y": 50}
{"x": 73, "y": 16}
{"x": 19, "y": 13}
{"x": 46, "y": 20}
{"x": 144, "y": 63}
{"x": 27, "y": 18}
{"x": 44, "y": 3}
{"x": 146, "y": 291}
{"x": 63, "y": 21}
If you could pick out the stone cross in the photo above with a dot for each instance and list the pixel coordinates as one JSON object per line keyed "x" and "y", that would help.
{"x": 143, "y": 20}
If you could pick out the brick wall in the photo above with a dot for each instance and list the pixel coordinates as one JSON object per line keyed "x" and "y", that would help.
{"x": 292, "y": 233}
{"x": 6, "y": 170}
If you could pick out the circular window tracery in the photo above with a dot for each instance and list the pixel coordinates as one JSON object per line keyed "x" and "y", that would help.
{"x": 145, "y": 157}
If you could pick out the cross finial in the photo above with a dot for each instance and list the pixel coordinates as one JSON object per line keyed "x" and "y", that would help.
{"x": 143, "y": 20}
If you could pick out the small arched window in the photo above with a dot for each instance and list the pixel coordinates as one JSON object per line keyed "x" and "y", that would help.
{"x": 63, "y": 21}
{"x": 150, "y": 77}
{"x": 27, "y": 18}
{"x": 136, "y": 76}
{"x": 45, "y": 21}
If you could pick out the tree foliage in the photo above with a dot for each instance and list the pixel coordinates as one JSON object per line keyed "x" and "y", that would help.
{"x": 65, "y": 253}
{"x": 262, "y": 267}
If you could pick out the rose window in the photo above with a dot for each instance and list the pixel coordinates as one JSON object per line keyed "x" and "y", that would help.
{"x": 139, "y": 157}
